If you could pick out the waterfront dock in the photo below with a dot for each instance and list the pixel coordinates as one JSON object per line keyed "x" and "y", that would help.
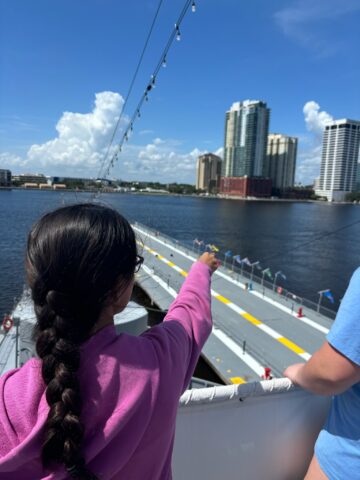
{"x": 253, "y": 329}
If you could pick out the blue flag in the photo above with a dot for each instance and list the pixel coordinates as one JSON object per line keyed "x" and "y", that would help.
{"x": 329, "y": 296}
{"x": 228, "y": 253}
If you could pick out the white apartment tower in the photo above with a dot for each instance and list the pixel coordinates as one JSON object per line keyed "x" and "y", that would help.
{"x": 339, "y": 160}
{"x": 281, "y": 160}
{"x": 246, "y": 131}
{"x": 208, "y": 171}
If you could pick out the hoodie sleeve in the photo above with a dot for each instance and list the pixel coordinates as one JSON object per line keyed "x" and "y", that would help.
{"x": 21, "y": 395}
{"x": 179, "y": 339}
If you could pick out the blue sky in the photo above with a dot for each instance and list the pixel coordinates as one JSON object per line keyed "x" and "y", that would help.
{"x": 63, "y": 56}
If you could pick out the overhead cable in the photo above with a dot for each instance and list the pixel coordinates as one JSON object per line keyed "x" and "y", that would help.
{"x": 130, "y": 87}
{"x": 175, "y": 34}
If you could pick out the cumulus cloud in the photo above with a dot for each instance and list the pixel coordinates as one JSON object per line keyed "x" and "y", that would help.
{"x": 82, "y": 137}
{"x": 310, "y": 147}
{"x": 160, "y": 160}
{"x": 220, "y": 152}
{"x": 8, "y": 160}
{"x": 315, "y": 119}
{"x": 308, "y": 165}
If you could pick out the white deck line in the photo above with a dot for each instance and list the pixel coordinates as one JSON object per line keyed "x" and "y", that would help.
{"x": 287, "y": 310}
{"x": 160, "y": 281}
{"x": 227, "y": 341}
{"x": 238, "y": 351}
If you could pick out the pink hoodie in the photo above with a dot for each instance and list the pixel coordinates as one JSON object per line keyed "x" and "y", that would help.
{"x": 131, "y": 388}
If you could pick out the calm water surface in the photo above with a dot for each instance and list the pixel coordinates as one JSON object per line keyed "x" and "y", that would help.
{"x": 270, "y": 232}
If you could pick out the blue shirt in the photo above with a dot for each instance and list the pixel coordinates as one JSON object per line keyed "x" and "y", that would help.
{"x": 338, "y": 446}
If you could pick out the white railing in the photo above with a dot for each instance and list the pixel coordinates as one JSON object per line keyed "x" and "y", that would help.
{"x": 256, "y": 431}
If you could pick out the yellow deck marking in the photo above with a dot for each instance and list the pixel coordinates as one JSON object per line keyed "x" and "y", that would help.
{"x": 291, "y": 345}
{"x": 251, "y": 319}
{"x": 222, "y": 299}
{"x": 237, "y": 380}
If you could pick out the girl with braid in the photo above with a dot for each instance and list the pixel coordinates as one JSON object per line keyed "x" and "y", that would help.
{"x": 94, "y": 404}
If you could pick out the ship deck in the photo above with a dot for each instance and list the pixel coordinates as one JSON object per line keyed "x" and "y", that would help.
{"x": 252, "y": 329}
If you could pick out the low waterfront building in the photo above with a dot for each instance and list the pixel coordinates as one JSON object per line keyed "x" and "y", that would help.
{"x": 23, "y": 178}
{"x": 59, "y": 186}
{"x": 30, "y": 185}
{"x": 5, "y": 178}
{"x": 72, "y": 182}
{"x": 208, "y": 171}
{"x": 339, "y": 160}
{"x": 246, "y": 186}
{"x": 281, "y": 160}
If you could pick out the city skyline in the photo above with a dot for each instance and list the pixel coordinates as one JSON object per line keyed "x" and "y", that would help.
{"x": 60, "y": 96}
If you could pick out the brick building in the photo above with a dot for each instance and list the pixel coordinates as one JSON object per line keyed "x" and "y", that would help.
{"x": 246, "y": 186}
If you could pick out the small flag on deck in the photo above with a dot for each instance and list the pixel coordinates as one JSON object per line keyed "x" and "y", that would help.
{"x": 237, "y": 258}
{"x": 246, "y": 261}
{"x": 228, "y": 253}
{"x": 267, "y": 272}
{"x": 329, "y": 296}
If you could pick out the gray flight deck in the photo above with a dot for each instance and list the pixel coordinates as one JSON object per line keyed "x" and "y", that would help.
{"x": 252, "y": 329}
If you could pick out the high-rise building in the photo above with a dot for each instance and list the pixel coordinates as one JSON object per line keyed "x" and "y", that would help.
{"x": 246, "y": 132}
{"x": 5, "y": 178}
{"x": 281, "y": 160}
{"x": 339, "y": 160}
{"x": 208, "y": 172}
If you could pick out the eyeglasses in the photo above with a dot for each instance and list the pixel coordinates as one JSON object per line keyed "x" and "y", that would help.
{"x": 138, "y": 263}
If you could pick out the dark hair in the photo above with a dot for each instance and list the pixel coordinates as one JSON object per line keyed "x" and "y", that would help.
{"x": 77, "y": 257}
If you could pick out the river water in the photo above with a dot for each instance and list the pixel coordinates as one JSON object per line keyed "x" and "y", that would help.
{"x": 282, "y": 236}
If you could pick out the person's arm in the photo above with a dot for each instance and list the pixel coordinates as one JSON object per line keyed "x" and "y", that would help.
{"x": 328, "y": 372}
{"x": 180, "y": 337}
{"x": 335, "y": 367}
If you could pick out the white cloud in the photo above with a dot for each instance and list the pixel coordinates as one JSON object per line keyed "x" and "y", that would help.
{"x": 220, "y": 152}
{"x": 146, "y": 132}
{"x": 310, "y": 146}
{"x": 308, "y": 165}
{"x": 8, "y": 160}
{"x": 160, "y": 161}
{"x": 315, "y": 119}
{"x": 82, "y": 137}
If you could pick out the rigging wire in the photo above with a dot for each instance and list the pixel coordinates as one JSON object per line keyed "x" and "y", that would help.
{"x": 145, "y": 96}
{"x": 130, "y": 87}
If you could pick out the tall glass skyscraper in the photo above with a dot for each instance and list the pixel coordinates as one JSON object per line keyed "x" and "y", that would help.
{"x": 246, "y": 132}
{"x": 339, "y": 160}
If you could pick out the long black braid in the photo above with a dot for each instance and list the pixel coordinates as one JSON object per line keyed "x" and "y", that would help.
{"x": 77, "y": 257}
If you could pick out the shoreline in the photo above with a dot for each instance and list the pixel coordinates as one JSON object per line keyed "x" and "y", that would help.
{"x": 212, "y": 197}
